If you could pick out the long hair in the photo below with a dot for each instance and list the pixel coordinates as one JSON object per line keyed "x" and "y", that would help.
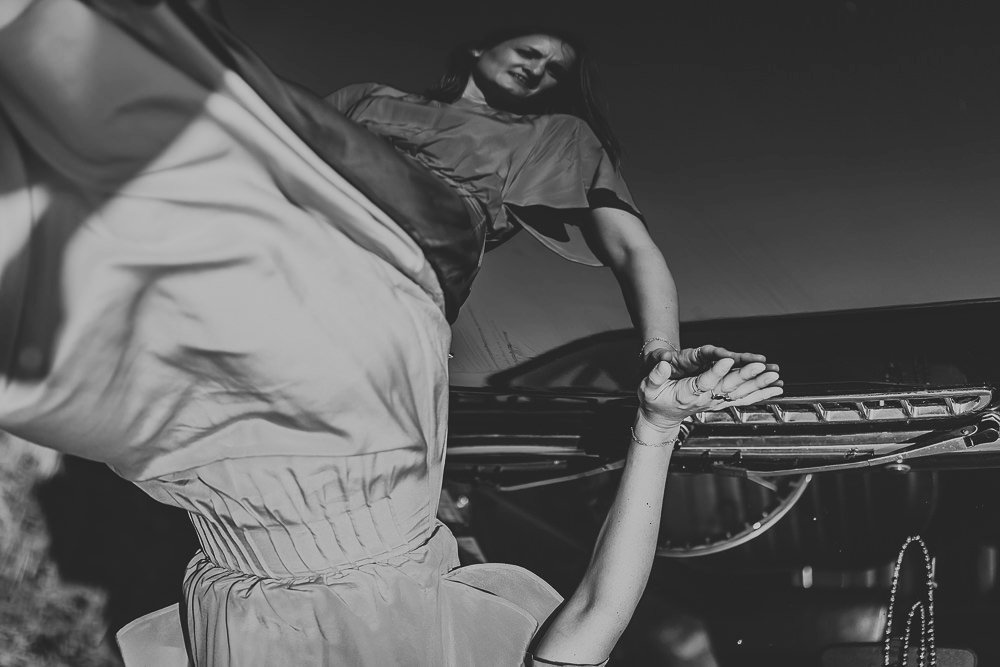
{"x": 577, "y": 94}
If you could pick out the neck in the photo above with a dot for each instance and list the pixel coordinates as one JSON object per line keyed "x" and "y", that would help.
{"x": 472, "y": 93}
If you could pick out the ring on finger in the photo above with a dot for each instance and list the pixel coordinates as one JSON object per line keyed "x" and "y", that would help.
{"x": 722, "y": 397}
{"x": 696, "y": 388}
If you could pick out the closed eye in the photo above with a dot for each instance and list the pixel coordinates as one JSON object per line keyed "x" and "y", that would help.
{"x": 556, "y": 71}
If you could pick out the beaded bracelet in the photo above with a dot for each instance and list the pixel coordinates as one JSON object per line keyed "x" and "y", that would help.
{"x": 636, "y": 440}
{"x": 642, "y": 350}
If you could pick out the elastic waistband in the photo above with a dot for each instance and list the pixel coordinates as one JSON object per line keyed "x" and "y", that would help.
{"x": 301, "y": 552}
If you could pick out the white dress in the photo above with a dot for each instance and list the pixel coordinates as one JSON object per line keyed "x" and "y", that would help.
{"x": 190, "y": 295}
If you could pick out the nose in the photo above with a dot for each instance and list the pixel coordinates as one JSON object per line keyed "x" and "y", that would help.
{"x": 536, "y": 69}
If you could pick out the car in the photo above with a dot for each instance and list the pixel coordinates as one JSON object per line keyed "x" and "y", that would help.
{"x": 782, "y": 521}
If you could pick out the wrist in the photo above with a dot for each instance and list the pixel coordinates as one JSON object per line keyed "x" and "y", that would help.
{"x": 649, "y": 429}
{"x": 654, "y": 343}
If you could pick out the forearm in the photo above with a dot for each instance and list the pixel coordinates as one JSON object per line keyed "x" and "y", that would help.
{"x": 624, "y": 244}
{"x": 589, "y": 625}
{"x": 650, "y": 293}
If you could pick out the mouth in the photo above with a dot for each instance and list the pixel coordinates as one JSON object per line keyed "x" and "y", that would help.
{"x": 522, "y": 79}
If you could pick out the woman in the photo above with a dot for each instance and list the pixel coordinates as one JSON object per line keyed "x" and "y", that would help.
{"x": 516, "y": 127}
{"x": 203, "y": 287}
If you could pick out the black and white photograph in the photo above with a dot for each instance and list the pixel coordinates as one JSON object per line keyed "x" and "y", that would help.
{"x": 500, "y": 334}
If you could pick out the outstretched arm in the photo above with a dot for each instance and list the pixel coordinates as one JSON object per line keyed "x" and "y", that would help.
{"x": 589, "y": 624}
{"x": 621, "y": 240}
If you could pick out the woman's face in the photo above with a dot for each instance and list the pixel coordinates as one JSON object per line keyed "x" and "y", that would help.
{"x": 519, "y": 69}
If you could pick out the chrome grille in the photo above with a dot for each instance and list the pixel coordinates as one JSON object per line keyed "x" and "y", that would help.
{"x": 860, "y": 408}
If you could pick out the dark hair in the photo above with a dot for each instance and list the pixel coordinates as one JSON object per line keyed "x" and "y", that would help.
{"x": 577, "y": 94}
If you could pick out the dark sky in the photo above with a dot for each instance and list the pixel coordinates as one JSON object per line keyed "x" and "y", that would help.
{"x": 790, "y": 156}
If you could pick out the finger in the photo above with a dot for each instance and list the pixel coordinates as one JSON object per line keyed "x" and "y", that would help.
{"x": 737, "y": 377}
{"x": 751, "y": 370}
{"x": 772, "y": 370}
{"x": 662, "y": 353}
{"x": 708, "y": 380}
{"x": 660, "y": 373}
{"x": 707, "y": 353}
{"x": 751, "y": 385}
{"x": 743, "y": 358}
{"x": 656, "y": 381}
{"x": 758, "y": 395}
{"x": 698, "y": 355}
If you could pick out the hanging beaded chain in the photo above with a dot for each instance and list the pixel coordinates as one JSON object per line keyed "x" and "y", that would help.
{"x": 927, "y": 641}
{"x": 918, "y": 605}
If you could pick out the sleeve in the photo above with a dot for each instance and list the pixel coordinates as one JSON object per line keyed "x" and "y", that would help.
{"x": 535, "y": 661}
{"x": 566, "y": 171}
{"x": 346, "y": 98}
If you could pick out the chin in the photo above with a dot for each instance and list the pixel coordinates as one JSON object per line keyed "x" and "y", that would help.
{"x": 516, "y": 92}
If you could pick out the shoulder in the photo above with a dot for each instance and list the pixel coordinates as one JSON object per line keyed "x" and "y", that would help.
{"x": 382, "y": 90}
{"x": 566, "y": 127}
{"x": 562, "y": 122}
{"x": 364, "y": 90}
{"x": 565, "y": 132}
{"x": 352, "y": 94}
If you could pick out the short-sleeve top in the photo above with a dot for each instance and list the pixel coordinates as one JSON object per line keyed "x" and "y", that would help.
{"x": 532, "y": 171}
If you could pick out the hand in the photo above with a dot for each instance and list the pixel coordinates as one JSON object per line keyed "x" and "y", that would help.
{"x": 664, "y": 401}
{"x": 692, "y": 360}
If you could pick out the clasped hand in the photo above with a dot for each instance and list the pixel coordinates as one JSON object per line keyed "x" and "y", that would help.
{"x": 665, "y": 400}
{"x": 692, "y": 360}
